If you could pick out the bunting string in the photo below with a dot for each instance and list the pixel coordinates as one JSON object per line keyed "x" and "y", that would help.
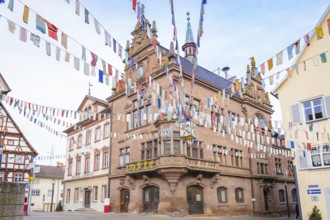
{"x": 109, "y": 39}
{"x": 41, "y": 24}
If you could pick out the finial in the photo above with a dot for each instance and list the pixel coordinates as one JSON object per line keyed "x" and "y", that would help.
{"x": 188, "y": 18}
{"x": 253, "y": 62}
{"x": 248, "y": 68}
{"x": 154, "y": 28}
{"x": 89, "y": 88}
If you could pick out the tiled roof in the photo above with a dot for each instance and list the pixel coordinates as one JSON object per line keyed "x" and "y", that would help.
{"x": 50, "y": 172}
{"x": 203, "y": 74}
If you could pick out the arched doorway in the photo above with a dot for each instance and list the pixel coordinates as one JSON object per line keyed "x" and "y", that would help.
{"x": 150, "y": 199}
{"x": 195, "y": 200}
{"x": 124, "y": 200}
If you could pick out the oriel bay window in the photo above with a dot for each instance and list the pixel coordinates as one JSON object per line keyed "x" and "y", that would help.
{"x": 176, "y": 143}
{"x": 195, "y": 149}
{"x": 149, "y": 150}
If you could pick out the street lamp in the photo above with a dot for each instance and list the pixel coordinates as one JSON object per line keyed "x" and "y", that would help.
{"x": 51, "y": 202}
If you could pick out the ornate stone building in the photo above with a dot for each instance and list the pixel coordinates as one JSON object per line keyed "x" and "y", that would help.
{"x": 224, "y": 171}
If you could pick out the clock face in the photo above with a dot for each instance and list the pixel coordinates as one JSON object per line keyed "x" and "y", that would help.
{"x": 140, "y": 72}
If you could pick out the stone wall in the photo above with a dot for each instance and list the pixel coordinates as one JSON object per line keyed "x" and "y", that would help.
{"x": 11, "y": 201}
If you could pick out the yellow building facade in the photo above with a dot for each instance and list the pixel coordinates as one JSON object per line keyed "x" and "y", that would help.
{"x": 304, "y": 96}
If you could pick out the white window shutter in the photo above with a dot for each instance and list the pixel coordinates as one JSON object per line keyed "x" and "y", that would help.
{"x": 327, "y": 105}
{"x": 296, "y": 115}
{"x": 303, "y": 160}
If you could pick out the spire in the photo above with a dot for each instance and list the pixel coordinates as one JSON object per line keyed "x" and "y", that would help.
{"x": 189, "y": 34}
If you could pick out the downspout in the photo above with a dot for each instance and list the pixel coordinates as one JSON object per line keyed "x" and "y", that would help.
{"x": 110, "y": 151}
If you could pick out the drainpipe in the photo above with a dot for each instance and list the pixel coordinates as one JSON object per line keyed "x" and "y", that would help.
{"x": 297, "y": 191}
{"x": 110, "y": 151}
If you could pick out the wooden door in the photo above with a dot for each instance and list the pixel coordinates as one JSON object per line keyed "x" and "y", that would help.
{"x": 195, "y": 200}
{"x": 87, "y": 201}
{"x": 150, "y": 199}
{"x": 124, "y": 200}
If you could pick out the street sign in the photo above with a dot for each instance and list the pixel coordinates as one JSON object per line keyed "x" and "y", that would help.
{"x": 314, "y": 198}
{"x": 313, "y": 186}
{"x": 314, "y": 191}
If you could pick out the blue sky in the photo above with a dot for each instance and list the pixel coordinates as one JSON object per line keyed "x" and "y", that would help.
{"x": 233, "y": 32}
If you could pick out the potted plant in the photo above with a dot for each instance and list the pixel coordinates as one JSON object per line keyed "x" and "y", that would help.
{"x": 59, "y": 207}
{"x": 315, "y": 214}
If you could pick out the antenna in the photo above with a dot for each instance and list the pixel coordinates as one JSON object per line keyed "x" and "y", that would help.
{"x": 51, "y": 155}
{"x": 89, "y": 87}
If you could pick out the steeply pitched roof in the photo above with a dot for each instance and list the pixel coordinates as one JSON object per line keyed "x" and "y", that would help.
{"x": 4, "y": 84}
{"x": 203, "y": 74}
{"x": 93, "y": 99}
{"x": 50, "y": 172}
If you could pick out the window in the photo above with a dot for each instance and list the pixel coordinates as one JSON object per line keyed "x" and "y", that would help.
{"x": 281, "y": 195}
{"x": 76, "y": 195}
{"x": 128, "y": 121}
{"x": 313, "y": 109}
{"x": 97, "y": 133}
{"x": 320, "y": 155}
{"x": 143, "y": 151}
{"x": 176, "y": 147}
{"x": 176, "y": 143}
{"x": 35, "y": 192}
{"x": 88, "y": 136}
{"x": 104, "y": 192}
{"x": 222, "y": 195}
{"x": 68, "y": 192}
{"x": 155, "y": 148}
{"x": 95, "y": 189}
{"x": 278, "y": 166}
{"x": 70, "y": 166}
{"x": 142, "y": 116}
{"x": 71, "y": 143}
{"x": 149, "y": 150}
{"x": 78, "y": 164}
{"x": 218, "y": 153}
{"x": 87, "y": 162}
{"x": 239, "y": 195}
{"x": 167, "y": 147}
{"x": 124, "y": 156}
{"x": 106, "y": 129}
{"x": 195, "y": 149}
{"x": 294, "y": 195}
{"x": 96, "y": 159}
{"x": 135, "y": 119}
{"x": 105, "y": 161}
{"x": 149, "y": 114}
{"x": 79, "y": 144}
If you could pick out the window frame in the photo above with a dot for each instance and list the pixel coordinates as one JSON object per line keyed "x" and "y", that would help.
{"x": 312, "y": 107}
{"x": 237, "y": 191}
{"x": 76, "y": 195}
{"x": 281, "y": 196}
{"x": 97, "y": 135}
{"x": 219, "y": 194}
{"x": 95, "y": 193}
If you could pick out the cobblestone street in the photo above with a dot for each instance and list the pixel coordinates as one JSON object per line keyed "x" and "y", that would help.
{"x": 131, "y": 216}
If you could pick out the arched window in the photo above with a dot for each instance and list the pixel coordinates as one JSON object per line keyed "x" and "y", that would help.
{"x": 294, "y": 195}
{"x": 222, "y": 195}
{"x": 239, "y": 195}
{"x": 281, "y": 195}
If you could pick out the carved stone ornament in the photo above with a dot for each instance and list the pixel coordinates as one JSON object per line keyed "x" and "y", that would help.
{"x": 214, "y": 180}
{"x": 130, "y": 182}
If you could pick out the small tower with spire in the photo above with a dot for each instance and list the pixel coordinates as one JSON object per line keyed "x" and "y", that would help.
{"x": 189, "y": 47}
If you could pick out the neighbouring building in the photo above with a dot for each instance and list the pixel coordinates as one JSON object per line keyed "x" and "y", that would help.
{"x": 16, "y": 153}
{"x": 86, "y": 174}
{"x": 305, "y": 103}
{"x": 47, "y": 182}
{"x": 231, "y": 168}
